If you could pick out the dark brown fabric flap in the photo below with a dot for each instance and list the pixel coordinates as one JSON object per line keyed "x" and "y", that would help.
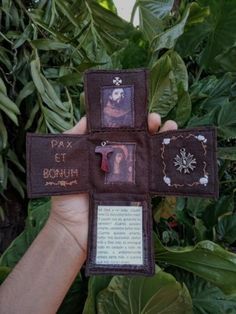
{"x": 184, "y": 163}
{"x": 56, "y": 164}
{"x": 116, "y": 99}
{"x": 120, "y": 235}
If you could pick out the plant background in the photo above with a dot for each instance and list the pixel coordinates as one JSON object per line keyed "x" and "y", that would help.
{"x": 190, "y": 49}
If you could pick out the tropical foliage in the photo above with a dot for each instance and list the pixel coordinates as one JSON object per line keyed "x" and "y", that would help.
{"x": 189, "y": 47}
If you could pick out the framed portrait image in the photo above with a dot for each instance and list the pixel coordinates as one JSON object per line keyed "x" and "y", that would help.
{"x": 121, "y": 164}
{"x": 117, "y": 106}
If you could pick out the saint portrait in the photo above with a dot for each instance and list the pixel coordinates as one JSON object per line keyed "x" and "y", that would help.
{"x": 117, "y": 108}
{"x": 121, "y": 164}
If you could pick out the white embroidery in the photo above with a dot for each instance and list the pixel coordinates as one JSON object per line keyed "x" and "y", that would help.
{"x": 185, "y": 162}
{"x": 166, "y": 141}
{"x": 204, "y": 180}
{"x": 117, "y": 81}
{"x": 201, "y": 138}
{"x": 167, "y": 180}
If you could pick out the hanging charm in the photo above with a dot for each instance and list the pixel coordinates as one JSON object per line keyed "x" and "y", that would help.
{"x": 104, "y": 151}
{"x": 185, "y": 162}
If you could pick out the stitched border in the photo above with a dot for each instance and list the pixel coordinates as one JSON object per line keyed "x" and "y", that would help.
{"x": 202, "y": 180}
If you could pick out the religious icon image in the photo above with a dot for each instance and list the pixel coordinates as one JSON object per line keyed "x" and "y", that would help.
{"x": 121, "y": 164}
{"x": 117, "y": 107}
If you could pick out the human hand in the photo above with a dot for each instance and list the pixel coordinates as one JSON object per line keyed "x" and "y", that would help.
{"x": 71, "y": 211}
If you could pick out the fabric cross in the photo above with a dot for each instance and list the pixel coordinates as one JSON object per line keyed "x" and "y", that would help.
{"x": 121, "y": 166}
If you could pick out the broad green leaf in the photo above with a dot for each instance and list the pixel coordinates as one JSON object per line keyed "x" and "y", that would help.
{"x": 228, "y": 153}
{"x": 152, "y": 13}
{"x": 226, "y": 228}
{"x": 222, "y": 21}
{"x": 207, "y": 260}
{"x": 226, "y": 60}
{"x": 206, "y": 298}
{"x": 169, "y": 86}
{"x": 224, "y": 205}
{"x": 158, "y": 294}
{"x": 49, "y": 44}
{"x": 164, "y": 93}
{"x": 183, "y": 109}
{"x": 34, "y": 224}
{"x": 226, "y": 121}
{"x": 168, "y": 38}
{"x": 95, "y": 285}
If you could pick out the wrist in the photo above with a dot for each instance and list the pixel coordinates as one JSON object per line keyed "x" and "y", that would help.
{"x": 76, "y": 235}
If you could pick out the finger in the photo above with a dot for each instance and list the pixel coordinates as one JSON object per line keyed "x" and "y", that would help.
{"x": 79, "y": 128}
{"x": 168, "y": 126}
{"x": 154, "y": 122}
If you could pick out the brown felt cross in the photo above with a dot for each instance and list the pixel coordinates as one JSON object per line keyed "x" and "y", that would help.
{"x": 122, "y": 166}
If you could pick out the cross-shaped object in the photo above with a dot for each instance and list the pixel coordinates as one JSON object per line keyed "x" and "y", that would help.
{"x": 122, "y": 166}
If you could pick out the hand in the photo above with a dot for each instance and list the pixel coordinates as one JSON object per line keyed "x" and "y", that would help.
{"x": 71, "y": 211}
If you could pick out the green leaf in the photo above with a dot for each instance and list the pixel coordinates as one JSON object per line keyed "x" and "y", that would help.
{"x": 163, "y": 91}
{"x": 207, "y": 260}
{"x": 222, "y": 21}
{"x": 226, "y": 121}
{"x": 228, "y": 153}
{"x": 11, "y": 155}
{"x": 168, "y": 38}
{"x": 34, "y": 224}
{"x": 226, "y": 59}
{"x": 95, "y": 285}
{"x": 183, "y": 109}
{"x": 32, "y": 116}
{"x": 4, "y": 272}
{"x": 16, "y": 183}
{"x": 224, "y": 205}
{"x": 3, "y": 133}
{"x": 27, "y": 90}
{"x": 3, "y": 88}
{"x": 49, "y": 44}
{"x": 158, "y": 294}
{"x": 152, "y": 13}
{"x": 36, "y": 75}
{"x": 226, "y": 228}
{"x": 206, "y": 297}
{"x": 169, "y": 86}
{"x": 9, "y": 107}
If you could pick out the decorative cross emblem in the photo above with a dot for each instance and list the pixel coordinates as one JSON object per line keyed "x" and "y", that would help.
{"x": 121, "y": 166}
{"x": 117, "y": 81}
{"x": 184, "y": 162}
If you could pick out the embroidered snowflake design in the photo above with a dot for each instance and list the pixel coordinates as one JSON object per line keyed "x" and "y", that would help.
{"x": 185, "y": 162}
{"x": 117, "y": 81}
